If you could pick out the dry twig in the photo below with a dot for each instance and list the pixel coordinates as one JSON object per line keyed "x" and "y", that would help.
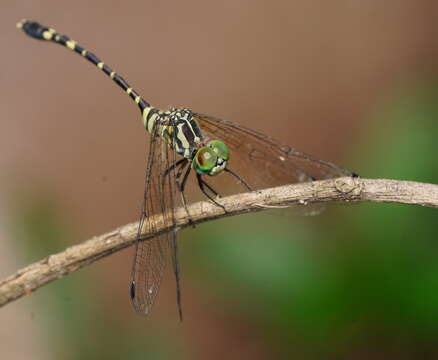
{"x": 344, "y": 189}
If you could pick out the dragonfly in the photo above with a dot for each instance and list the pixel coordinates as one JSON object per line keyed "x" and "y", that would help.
{"x": 184, "y": 145}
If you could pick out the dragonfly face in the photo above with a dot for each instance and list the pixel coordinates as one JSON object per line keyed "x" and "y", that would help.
{"x": 211, "y": 159}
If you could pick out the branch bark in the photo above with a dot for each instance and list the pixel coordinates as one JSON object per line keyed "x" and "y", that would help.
{"x": 345, "y": 189}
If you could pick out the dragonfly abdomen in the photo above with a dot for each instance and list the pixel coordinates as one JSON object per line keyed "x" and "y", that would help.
{"x": 41, "y": 32}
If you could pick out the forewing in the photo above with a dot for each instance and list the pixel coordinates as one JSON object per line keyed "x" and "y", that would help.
{"x": 158, "y": 205}
{"x": 262, "y": 161}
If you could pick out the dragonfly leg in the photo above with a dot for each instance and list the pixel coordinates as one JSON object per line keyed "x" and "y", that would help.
{"x": 243, "y": 182}
{"x": 208, "y": 186}
{"x": 180, "y": 163}
{"x": 184, "y": 181}
{"x": 201, "y": 184}
{"x": 175, "y": 165}
{"x": 181, "y": 168}
{"x": 181, "y": 187}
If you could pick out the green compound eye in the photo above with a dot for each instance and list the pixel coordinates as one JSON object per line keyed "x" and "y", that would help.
{"x": 205, "y": 160}
{"x": 220, "y": 149}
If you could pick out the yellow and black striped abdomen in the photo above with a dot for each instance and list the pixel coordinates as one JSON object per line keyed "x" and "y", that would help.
{"x": 176, "y": 126}
{"x": 41, "y": 32}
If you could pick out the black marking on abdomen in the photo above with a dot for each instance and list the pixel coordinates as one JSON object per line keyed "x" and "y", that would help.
{"x": 106, "y": 69}
{"x": 121, "y": 82}
{"x": 79, "y": 49}
{"x": 34, "y": 29}
{"x": 93, "y": 58}
{"x": 41, "y": 32}
{"x": 133, "y": 94}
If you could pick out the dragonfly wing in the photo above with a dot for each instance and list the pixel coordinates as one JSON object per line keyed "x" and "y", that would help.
{"x": 158, "y": 207}
{"x": 147, "y": 273}
{"x": 262, "y": 161}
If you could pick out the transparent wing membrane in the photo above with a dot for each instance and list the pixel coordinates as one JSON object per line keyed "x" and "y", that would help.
{"x": 263, "y": 162}
{"x": 158, "y": 206}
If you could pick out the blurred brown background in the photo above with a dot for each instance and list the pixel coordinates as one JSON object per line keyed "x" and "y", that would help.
{"x": 72, "y": 153}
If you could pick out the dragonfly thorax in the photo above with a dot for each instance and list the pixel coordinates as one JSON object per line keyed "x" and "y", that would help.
{"x": 181, "y": 131}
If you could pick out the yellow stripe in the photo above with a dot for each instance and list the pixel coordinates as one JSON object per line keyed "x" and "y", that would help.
{"x": 151, "y": 122}
{"x": 48, "y": 34}
{"x": 100, "y": 65}
{"x": 71, "y": 44}
{"x": 180, "y": 135}
{"x": 145, "y": 115}
{"x": 20, "y": 24}
{"x": 112, "y": 75}
{"x": 196, "y": 139}
{"x": 137, "y": 99}
{"x": 84, "y": 53}
{"x": 57, "y": 37}
{"x": 162, "y": 132}
{"x": 129, "y": 90}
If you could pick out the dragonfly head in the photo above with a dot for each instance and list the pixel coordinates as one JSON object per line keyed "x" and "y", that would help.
{"x": 212, "y": 158}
